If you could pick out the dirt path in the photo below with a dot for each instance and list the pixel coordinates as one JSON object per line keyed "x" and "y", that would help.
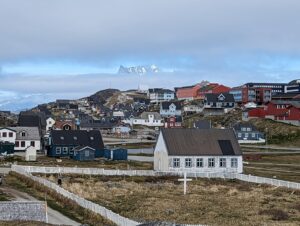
{"x": 54, "y": 217}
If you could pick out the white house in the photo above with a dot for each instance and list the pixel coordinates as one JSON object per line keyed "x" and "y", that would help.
{"x": 49, "y": 123}
{"x": 7, "y": 135}
{"x": 148, "y": 119}
{"x": 158, "y": 95}
{"x": 198, "y": 150}
{"x": 171, "y": 108}
{"x": 26, "y": 137}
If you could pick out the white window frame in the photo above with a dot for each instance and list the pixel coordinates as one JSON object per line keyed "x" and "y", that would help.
{"x": 176, "y": 162}
{"x": 58, "y": 150}
{"x": 65, "y": 150}
{"x": 188, "y": 162}
{"x": 222, "y": 163}
{"x": 234, "y": 163}
{"x": 211, "y": 162}
{"x": 199, "y": 163}
{"x": 253, "y": 135}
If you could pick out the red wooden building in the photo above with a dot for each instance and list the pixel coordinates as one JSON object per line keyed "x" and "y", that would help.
{"x": 285, "y": 111}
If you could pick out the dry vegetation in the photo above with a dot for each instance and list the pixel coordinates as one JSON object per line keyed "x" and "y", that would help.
{"x": 285, "y": 167}
{"x": 101, "y": 163}
{"x": 278, "y": 133}
{"x": 23, "y": 223}
{"x": 212, "y": 202}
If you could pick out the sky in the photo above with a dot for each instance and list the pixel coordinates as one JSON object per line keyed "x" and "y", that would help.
{"x": 58, "y": 49}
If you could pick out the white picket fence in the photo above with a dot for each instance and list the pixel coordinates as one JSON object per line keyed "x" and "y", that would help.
{"x": 106, "y": 213}
{"x": 108, "y": 172}
{"x": 96, "y": 208}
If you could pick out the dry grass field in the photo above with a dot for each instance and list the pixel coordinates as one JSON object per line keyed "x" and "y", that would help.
{"x": 212, "y": 202}
{"x": 101, "y": 163}
{"x": 284, "y": 167}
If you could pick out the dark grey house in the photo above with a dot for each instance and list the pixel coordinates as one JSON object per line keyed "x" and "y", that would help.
{"x": 222, "y": 100}
{"x": 247, "y": 133}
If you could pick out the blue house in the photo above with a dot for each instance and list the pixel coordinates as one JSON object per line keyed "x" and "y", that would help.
{"x": 116, "y": 154}
{"x": 84, "y": 153}
{"x": 62, "y": 143}
{"x": 247, "y": 133}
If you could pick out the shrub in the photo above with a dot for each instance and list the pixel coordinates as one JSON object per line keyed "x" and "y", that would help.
{"x": 276, "y": 214}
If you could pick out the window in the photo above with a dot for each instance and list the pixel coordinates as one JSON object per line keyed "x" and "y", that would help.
{"x": 248, "y": 129}
{"x": 222, "y": 162}
{"x": 253, "y": 135}
{"x": 10, "y": 134}
{"x": 176, "y": 162}
{"x": 92, "y": 138}
{"x": 22, "y": 144}
{"x": 65, "y": 150}
{"x": 86, "y": 153}
{"x": 239, "y": 135}
{"x": 211, "y": 162}
{"x": 199, "y": 162}
{"x": 243, "y": 129}
{"x": 234, "y": 163}
{"x": 17, "y": 144}
{"x": 188, "y": 163}
{"x": 4, "y": 134}
{"x": 32, "y": 143}
{"x": 23, "y": 134}
{"x": 58, "y": 150}
{"x": 246, "y": 135}
{"x": 75, "y": 138}
{"x": 71, "y": 151}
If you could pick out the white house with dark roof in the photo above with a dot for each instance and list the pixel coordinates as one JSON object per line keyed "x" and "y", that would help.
{"x": 151, "y": 119}
{"x": 23, "y": 137}
{"x": 26, "y": 137}
{"x": 171, "y": 108}
{"x": 198, "y": 150}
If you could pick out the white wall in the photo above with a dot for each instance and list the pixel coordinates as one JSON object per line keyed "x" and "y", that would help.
{"x": 50, "y": 122}
{"x": 161, "y": 162}
{"x": 27, "y": 144}
{"x": 205, "y": 168}
{"x": 7, "y": 138}
{"x": 148, "y": 122}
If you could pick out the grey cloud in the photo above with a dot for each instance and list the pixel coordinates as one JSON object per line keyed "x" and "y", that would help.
{"x": 95, "y": 30}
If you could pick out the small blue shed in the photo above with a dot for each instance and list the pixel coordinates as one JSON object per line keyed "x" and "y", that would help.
{"x": 84, "y": 153}
{"x": 116, "y": 154}
{"x": 7, "y": 148}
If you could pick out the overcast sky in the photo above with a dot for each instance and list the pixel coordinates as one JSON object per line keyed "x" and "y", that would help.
{"x": 68, "y": 48}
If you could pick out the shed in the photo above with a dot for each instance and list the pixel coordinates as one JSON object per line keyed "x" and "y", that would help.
{"x": 30, "y": 154}
{"x": 7, "y": 148}
{"x": 84, "y": 153}
{"x": 116, "y": 154}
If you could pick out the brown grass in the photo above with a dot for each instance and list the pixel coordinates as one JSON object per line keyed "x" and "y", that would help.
{"x": 101, "y": 163}
{"x": 212, "y": 202}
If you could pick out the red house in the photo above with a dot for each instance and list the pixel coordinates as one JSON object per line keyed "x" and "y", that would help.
{"x": 188, "y": 92}
{"x": 214, "y": 88}
{"x": 173, "y": 122}
{"x": 284, "y": 111}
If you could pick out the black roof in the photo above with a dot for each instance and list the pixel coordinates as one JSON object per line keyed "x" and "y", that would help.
{"x": 198, "y": 142}
{"x": 91, "y": 138}
{"x": 286, "y": 95}
{"x": 294, "y": 82}
{"x": 238, "y": 126}
{"x": 212, "y": 97}
{"x": 202, "y": 124}
{"x": 165, "y": 105}
{"x": 160, "y": 90}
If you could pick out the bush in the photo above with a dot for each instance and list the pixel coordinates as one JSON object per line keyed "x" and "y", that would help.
{"x": 276, "y": 214}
